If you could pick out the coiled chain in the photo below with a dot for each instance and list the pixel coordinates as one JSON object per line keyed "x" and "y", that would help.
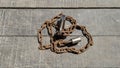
{"x": 57, "y": 42}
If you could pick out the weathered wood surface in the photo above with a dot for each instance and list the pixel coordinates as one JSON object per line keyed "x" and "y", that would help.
{"x": 59, "y": 3}
{"x": 22, "y": 52}
{"x": 27, "y": 21}
{"x": 18, "y": 29}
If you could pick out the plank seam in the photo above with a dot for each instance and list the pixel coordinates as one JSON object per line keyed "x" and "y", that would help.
{"x": 47, "y": 35}
{"x": 59, "y": 7}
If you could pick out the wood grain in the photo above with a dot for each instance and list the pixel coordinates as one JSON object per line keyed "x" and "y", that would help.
{"x": 22, "y": 52}
{"x": 59, "y": 3}
{"x": 20, "y": 19}
{"x": 27, "y": 21}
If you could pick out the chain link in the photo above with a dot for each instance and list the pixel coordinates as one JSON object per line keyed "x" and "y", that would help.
{"x": 57, "y": 42}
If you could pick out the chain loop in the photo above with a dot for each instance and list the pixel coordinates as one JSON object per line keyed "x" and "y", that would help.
{"x": 57, "y": 42}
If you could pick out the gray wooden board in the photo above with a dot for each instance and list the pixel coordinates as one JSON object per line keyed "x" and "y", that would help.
{"x": 27, "y": 21}
{"x": 59, "y": 3}
{"x": 22, "y": 52}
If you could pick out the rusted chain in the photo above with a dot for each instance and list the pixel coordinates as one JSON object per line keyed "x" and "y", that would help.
{"x": 57, "y": 42}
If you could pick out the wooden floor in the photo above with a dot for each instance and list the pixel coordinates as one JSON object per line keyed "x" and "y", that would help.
{"x": 20, "y": 20}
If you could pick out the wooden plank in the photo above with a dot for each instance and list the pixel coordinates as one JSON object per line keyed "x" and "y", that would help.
{"x": 22, "y": 52}
{"x": 27, "y": 21}
{"x": 59, "y": 3}
{"x": 2, "y": 17}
